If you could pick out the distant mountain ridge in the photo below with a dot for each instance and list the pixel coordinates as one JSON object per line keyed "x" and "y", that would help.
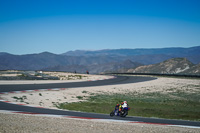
{"x": 136, "y": 52}
{"x": 96, "y": 61}
{"x": 144, "y": 56}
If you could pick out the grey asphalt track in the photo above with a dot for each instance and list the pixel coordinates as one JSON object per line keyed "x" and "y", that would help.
{"x": 118, "y": 80}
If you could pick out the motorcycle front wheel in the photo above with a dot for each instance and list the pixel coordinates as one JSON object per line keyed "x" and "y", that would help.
{"x": 123, "y": 113}
{"x": 112, "y": 113}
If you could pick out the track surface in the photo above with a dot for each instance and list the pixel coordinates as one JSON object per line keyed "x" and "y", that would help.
{"x": 118, "y": 80}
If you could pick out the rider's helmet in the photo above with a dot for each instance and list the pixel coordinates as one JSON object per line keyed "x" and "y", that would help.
{"x": 117, "y": 104}
{"x": 125, "y": 101}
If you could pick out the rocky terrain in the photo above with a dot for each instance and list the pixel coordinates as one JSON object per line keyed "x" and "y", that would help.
{"x": 193, "y": 70}
{"x": 171, "y": 66}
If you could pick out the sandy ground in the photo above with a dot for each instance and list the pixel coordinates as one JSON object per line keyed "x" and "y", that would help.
{"x": 64, "y": 77}
{"x": 17, "y": 123}
{"x": 30, "y": 123}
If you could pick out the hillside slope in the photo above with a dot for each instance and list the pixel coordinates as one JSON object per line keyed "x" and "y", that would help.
{"x": 96, "y": 68}
{"x": 194, "y": 70}
{"x": 171, "y": 66}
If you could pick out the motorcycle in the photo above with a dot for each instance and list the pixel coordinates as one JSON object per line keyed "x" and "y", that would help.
{"x": 122, "y": 113}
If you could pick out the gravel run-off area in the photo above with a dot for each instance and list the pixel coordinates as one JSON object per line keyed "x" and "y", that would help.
{"x": 18, "y": 123}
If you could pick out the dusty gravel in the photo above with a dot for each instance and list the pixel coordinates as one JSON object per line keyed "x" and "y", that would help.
{"x": 17, "y": 123}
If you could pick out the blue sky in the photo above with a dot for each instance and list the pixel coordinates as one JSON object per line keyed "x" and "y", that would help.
{"x": 58, "y": 26}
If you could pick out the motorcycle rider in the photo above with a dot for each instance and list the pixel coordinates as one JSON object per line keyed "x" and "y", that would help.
{"x": 120, "y": 107}
{"x": 123, "y": 105}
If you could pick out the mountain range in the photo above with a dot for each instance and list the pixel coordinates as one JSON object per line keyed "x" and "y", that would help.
{"x": 96, "y": 61}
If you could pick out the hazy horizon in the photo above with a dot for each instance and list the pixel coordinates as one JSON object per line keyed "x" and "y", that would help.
{"x": 95, "y": 50}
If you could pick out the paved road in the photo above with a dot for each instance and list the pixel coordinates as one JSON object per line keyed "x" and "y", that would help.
{"x": 118, "y": 80}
